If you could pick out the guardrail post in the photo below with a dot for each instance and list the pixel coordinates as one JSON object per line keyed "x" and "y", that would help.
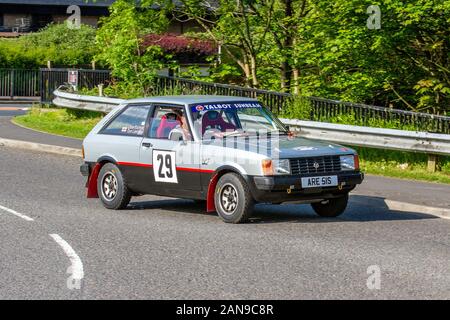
{"x": 100, "y": 89}
{"x": 432, "y": 162}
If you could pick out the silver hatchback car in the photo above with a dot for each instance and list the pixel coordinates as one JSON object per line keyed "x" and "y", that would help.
{"x": 228, "y": 152}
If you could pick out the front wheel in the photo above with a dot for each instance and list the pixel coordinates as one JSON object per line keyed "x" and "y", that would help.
{"x": 112, "y": 188}
{"x": 331, "y": 208}
{"x": 232, "y": 199}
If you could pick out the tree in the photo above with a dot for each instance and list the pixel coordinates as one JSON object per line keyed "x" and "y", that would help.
{"x": 288, "y": 17}
{"x": 240, "y": 27}
{"x": 404, "y": 64}
{"x": 120, "y": 40}
{"x": 423, "y": 41}
{"x": 322, "y": 48}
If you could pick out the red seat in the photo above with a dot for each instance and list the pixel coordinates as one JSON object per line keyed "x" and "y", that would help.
{"x": 213, "y": 120}
{"x": 168, "y": 122}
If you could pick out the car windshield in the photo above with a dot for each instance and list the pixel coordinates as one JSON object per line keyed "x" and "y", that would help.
{"x": 231, "y": 119}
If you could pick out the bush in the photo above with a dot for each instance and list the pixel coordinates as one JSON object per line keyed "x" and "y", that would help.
{"x": 297, "y": 108}
{"x": 56, "y": 42}
{"x": 82, "y": 114}
{"x": 13, "y": 54}
{"x": 183, "y": 49}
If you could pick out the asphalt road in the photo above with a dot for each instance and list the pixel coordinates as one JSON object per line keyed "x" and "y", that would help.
{"x": 10, "y": 110}
{"x": 163, "y": 248}
{"x": 9, "y": 130}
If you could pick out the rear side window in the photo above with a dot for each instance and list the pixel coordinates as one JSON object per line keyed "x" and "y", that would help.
{"x": 131, "y": 122}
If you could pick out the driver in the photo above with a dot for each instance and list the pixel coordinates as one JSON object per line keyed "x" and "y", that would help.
{"x": 183, "y": 127}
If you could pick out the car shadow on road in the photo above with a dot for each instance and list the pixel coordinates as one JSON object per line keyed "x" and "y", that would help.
{"x": 360, "y": 209}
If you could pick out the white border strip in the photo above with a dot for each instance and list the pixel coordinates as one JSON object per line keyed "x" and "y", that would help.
{"x": 17, "y": 214}
{"x": 394, "y": 205}
{"x": 77, "y": 265}
{"x": 26, "y": 145}
{"x": 402, "y": 206}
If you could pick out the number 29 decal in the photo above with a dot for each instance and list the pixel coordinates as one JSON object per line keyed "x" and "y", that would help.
{"x": 164, "y": 166}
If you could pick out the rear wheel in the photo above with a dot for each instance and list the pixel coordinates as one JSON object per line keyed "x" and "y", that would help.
{"x": 112, "y": 189}
{"x": 232, "y": 199}
{"x": 331, "y": 208}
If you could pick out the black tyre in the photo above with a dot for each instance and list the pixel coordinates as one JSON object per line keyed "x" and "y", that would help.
{"x": 112, "y": 189}
{"x": 331, "y": 208}
{"x": 232, "y": 199}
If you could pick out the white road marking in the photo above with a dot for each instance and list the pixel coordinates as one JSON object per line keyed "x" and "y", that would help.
{"x": 76, "y": 264}
{"x": 393, "y": 205}
{"x": 409, "y": 207}
{"x": 17, "y": 214}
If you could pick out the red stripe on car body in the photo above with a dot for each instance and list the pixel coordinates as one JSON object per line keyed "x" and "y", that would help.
{"x": 135, "y": 164}
{"x": 195, "y": 170}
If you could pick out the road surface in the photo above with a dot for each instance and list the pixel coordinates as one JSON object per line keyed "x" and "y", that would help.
{"x": 9, "y": 110}
{"x": 8, "y": 130}
{"x": 162, "y": 248}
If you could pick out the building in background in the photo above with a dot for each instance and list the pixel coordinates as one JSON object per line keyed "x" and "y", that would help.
{"x": 18, "y": 17}
{"x": 22, "y": 16}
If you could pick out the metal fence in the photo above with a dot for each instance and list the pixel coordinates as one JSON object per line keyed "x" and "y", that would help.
{"x": 367, "y": 115}
{"x": 275, "y": 101}
{"x": 43, "y": 82}
{"x": 51, "y": 79}
{"x": 19, "y": 83}
{"x": 316, "y": 109}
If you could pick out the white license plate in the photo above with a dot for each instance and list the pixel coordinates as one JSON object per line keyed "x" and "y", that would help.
{"x": 324, "y": 181}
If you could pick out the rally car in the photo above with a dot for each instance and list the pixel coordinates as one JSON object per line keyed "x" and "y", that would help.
{"x": 228, "y": 152}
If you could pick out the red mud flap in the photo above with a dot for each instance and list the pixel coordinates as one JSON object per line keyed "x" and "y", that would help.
{"x": 210, "y": 205}
{"x": 92, "y": 182}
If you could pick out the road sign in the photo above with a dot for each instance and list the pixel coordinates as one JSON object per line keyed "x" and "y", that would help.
{"x": 73, "y": 78}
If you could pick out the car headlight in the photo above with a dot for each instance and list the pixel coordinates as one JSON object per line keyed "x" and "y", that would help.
{"x": 276, "y": 167}
{"x": 348, "y": 162}
{"x": 281, "y": 166}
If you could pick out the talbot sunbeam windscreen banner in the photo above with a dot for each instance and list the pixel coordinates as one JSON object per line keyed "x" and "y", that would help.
{"x": 225, "y": 106}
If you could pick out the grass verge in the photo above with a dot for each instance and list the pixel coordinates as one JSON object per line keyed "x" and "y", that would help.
{"x": 64, "y": 122}
{"x": 406, "y": 165}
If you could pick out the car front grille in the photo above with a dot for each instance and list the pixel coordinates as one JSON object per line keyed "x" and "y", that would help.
{"x": 326, "y": 164}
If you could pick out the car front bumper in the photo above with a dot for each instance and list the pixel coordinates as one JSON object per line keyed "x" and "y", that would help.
{"x": 277, "y": 189}
{"x": 85, "y": 169}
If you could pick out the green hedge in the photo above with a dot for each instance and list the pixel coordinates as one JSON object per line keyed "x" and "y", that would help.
{"x": 56, "y": 43}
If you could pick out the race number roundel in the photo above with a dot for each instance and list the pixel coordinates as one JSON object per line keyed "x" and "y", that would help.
{"x": 164, "y": 166}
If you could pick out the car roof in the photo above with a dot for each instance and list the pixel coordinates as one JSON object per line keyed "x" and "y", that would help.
{"x": 190, "y": 99}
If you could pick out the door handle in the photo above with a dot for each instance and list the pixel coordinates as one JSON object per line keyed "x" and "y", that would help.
{"x": 147, "y": 144}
